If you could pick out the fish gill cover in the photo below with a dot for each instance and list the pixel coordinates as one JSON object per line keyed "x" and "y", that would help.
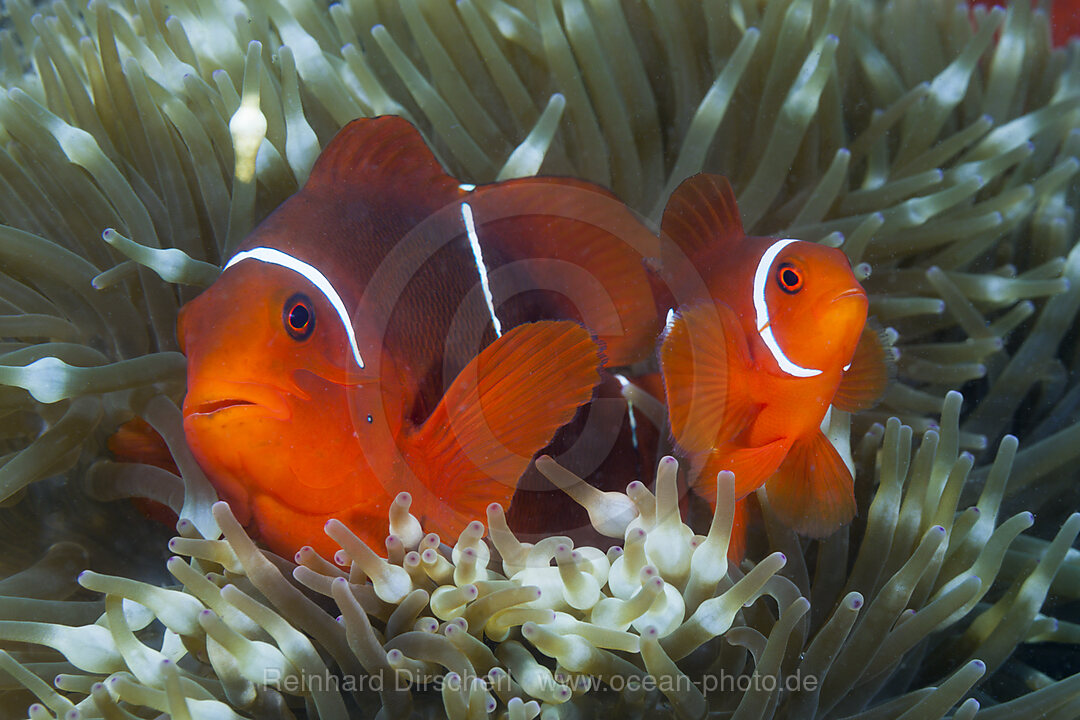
{"x": 140, "y": 141}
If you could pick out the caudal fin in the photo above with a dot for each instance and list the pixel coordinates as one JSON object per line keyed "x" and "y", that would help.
{"x": 812, "y": 491}
{"x": 503, "y": 407}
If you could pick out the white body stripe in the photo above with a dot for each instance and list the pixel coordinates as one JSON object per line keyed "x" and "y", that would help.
{"x": 478, "y": 257}
{"x": 623, "y": 382}
{"x": 761, "y": 312}
{"x": 312, "y": 275}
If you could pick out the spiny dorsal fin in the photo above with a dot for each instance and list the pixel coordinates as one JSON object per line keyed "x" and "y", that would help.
{"x": 585, "y": 228}
{"x": 381, "y": 155}
{"x": 701, "y": 214}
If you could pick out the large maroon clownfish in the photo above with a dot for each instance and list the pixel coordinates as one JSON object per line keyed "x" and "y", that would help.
{"x": 388, "y": 328}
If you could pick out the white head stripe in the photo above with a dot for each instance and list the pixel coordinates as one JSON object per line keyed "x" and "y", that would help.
{"x": 312, "y": 275}
{"x": 761, "y": 312}
{"x": 478, "y": 258}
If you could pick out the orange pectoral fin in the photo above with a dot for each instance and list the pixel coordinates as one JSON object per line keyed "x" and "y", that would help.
{"x": 136, "y": 442}
{"x": 501, "y": 410}
{"x": 702, "y": 357}
{"x": 864, "y": 381}
{"x": 812, "y": 492}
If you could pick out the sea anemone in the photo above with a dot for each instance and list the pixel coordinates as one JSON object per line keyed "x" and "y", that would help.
{"x": 936, "y": 145}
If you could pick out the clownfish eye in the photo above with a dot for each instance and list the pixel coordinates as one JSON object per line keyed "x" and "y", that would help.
{"x": 298, "y": 316}
{"x": 790, "y": 278}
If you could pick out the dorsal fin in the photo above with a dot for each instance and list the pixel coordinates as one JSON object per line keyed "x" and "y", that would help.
{"x": 380, "y": 155}
{"x": 587, "y": 230}
{"x": 702, "y": 213}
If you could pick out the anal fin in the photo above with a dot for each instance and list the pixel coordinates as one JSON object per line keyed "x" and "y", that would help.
{"x": 752, "y": 467}
{"x": 740, "y": 526}
{"x": 812, "y": 491}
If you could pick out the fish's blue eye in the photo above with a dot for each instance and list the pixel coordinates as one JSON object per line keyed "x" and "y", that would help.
{"x": 298, "y": 316}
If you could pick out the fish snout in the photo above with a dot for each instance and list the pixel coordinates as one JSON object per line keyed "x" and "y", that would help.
{"x": 844, "y": 315}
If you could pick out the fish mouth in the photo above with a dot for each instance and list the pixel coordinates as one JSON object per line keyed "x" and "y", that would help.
{"x": 213, "y": 406}
{"x": 852, "y": 293}
{"x": 208, "y": 401}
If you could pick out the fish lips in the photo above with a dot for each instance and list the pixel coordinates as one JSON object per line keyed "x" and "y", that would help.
{"x": 221, "y": 398}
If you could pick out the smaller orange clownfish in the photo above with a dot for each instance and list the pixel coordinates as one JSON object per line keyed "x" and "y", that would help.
{"x": 751, "y": 361}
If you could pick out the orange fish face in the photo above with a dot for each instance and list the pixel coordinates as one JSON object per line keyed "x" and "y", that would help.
{"x": 750, "y": 371}
{"x": 809, "y": 308}
{"x": 276, "y": 391}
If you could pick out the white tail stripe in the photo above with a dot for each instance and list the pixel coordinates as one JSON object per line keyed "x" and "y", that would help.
{"x": 312, "y": 275}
